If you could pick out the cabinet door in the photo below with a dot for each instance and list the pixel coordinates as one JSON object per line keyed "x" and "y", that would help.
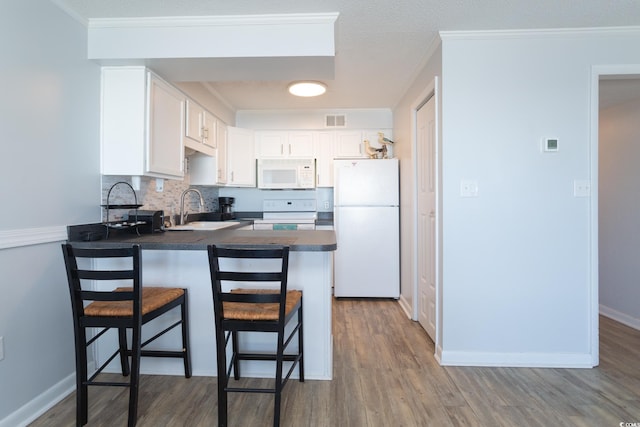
{"x": 349, "y": 144}
{"x": 194, "y": 122}
{"x": 324, "y": 158}
{"x": 209, "y": 130}
{"x": 221, "y": 152}
{"x": 165, "y": 143}
{"x": 272, "y": 144}
{"x": 241, "y": 158}
{"x": 300, "y": 144}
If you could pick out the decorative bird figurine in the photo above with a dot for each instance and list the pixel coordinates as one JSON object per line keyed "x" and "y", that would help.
{"x": 371, "y": 152}
{"x": 382, "y": 140}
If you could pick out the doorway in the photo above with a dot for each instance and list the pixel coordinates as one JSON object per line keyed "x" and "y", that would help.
{"x": 426, "y": 307}
{"x": 618, "y": 198}
{"x": 599, "y": 224}
{"x": 426, "y": 206}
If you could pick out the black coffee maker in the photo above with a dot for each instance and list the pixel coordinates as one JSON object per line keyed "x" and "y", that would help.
{"x": 226, "y": 207}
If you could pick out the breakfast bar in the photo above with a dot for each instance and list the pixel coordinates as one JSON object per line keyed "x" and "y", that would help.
{"x": 179, "y": 258}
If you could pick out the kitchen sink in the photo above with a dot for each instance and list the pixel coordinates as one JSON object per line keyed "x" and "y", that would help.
{"x": 204, "y": 225}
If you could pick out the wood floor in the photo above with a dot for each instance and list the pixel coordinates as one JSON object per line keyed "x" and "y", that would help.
{"x": 385, "y": 375}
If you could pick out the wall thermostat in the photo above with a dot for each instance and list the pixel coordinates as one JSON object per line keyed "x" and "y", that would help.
{"x": 550, "y": 144}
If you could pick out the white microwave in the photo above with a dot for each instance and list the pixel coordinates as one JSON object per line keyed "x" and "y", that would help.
{"x": 286, "y": 174}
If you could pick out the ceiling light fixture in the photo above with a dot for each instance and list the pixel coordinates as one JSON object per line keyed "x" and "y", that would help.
{"x": 307, "y": 88}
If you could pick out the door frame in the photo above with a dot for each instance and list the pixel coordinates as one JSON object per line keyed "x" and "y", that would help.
{"x": 431, "y": 90}
{"x": 598, "y": 71}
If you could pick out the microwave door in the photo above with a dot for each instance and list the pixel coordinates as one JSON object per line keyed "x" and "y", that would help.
{"x": 279, "y": 178}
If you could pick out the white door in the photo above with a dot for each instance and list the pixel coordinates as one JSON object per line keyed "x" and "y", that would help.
{"x": 426, "y": 227}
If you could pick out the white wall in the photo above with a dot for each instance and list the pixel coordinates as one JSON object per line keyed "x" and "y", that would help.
{"x": 619, "y": 212}
{"x": 516, "y": 259}
{"x": 49, "y": 122}
{"x": 380, "y": 118}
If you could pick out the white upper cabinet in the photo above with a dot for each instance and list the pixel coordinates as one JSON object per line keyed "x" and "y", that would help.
{"x": 211, "y": 170}
{"x": 324, "y": 147}
{"x": 300, "y": 144}
{"x": 241, "y": 157}
{"x": 200, "y": 129}
{"x": 221, "y": 152}
{"x": 349, "y": 144}
{"x": 282, "y": 144}
{"x": 234, "y": 164}
{"x": 210, "y": 129}
{"x": 142, "y": 130}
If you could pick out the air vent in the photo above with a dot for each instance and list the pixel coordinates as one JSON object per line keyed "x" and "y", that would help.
{"x": 335, "y": 121}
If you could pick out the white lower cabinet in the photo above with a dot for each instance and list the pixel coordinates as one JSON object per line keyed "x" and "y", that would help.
{"x": 142, "y": 131}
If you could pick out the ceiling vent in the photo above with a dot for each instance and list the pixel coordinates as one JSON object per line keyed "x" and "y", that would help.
{"x": 335, "y": 121}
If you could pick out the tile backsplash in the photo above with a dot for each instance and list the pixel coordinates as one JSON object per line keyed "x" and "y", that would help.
{"x": 168, "y": 200}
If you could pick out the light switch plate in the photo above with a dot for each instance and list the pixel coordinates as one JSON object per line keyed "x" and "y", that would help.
{"x": 468, "y": 188}
{"x": 581, "y": 188}
{"x": 159, "y": 185}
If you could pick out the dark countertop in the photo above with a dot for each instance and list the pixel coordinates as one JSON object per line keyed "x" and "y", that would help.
{"x": 301, "y": 240}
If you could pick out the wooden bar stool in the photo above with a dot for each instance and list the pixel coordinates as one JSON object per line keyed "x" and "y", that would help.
{"x": 122, "y": 308}
{"x": 255, "y": 310}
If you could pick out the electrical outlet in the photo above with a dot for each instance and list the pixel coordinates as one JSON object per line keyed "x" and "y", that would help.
{"x": 1, "y": 348}
{"x": 159, "y": 185}
{"x": 326, "y": 204}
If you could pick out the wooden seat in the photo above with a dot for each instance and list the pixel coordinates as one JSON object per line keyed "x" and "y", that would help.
{"x": 256, "y": 310}
{"x": 121, "y": 308}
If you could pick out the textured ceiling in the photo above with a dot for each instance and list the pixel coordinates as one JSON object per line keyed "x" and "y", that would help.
{"x": 380, "y": 44}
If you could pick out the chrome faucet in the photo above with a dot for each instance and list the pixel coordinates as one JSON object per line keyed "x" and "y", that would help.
{"x": 183, "y": 214}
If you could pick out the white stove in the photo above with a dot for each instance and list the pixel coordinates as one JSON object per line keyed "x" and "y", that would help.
{"x": 287, "y": 214}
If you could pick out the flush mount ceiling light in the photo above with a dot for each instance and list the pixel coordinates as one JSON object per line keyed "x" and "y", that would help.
{"x": 307, "y": 88}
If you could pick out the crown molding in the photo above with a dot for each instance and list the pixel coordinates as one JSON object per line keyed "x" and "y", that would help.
{"x": 541, "y": 32}
{"x": 71, "y": 12}
{"x": 208, "y": 21}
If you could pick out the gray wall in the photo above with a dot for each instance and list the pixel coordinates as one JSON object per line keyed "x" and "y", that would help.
{"x": 517, "y": 260}
{"x": 619, "y": 212}
{"x": 49, "y": 127}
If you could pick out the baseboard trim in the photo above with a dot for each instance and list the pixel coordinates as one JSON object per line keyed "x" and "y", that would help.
{"x": 516, "y": 360}
{"x": 618, "y": 316}
{"x": 41, "y": 403}
{"x": 406, "y": 307}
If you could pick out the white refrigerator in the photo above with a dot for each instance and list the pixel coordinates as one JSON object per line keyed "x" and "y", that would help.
{"x": 367, "y": 225}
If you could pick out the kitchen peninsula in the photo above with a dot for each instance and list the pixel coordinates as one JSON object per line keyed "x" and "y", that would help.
{"x": 179, "y": 258}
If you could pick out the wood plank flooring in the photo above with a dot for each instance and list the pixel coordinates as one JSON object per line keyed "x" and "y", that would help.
{"x": 385, "y": 375}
